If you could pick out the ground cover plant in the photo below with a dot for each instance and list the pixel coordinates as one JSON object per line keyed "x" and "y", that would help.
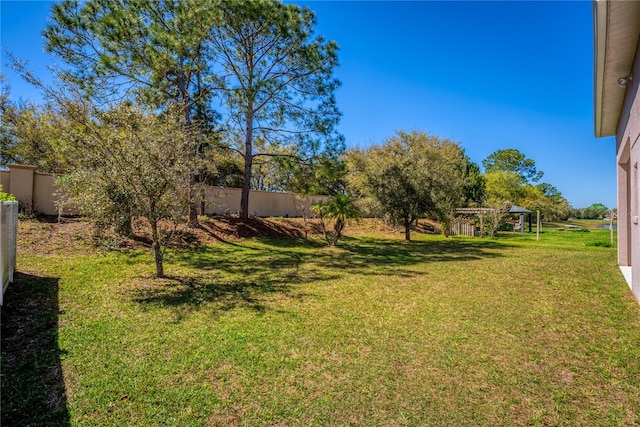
{"x": 288, "y": 331}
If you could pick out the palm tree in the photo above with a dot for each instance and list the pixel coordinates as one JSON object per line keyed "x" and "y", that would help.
{"x": 340, "y": 208}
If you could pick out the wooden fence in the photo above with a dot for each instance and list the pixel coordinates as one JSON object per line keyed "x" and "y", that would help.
{"x": 463, "y": 227}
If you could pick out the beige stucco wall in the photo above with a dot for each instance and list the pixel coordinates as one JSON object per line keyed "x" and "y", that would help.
{"x": 38, "y": 191}
{"x": 628, "y": 168}
{"x": 21, "y": 184}
{"x": 33, "y": 190}
{"x": 225, "y": 201}
{"x": 4, "y": 180}
{"x": 44, "y": 194}
{"x": 222, "y": 201}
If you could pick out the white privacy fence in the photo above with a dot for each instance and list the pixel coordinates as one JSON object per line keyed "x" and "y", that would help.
{"x": 8, "y": 241}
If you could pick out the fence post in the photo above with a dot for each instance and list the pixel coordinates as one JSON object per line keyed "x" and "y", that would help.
{"x": 13, "y": 239}
{"x": 4, "y": 261}
{"x": 8, "y": 243}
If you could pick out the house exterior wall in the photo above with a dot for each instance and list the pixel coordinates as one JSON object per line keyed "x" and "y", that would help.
{"x": 628, "y": 171}
{"x": 623, "y": 204}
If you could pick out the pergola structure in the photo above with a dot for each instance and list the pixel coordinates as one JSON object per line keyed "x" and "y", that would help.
{"x": 481, "y": 212}
{"x": 513, "y": 209}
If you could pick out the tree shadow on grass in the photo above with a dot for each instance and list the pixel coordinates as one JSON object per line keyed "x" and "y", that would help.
{"x": 185, "y": 295}
{"x": 247, "y": 259}
{"x": 259, "y": 271}
{"x": 395, "y": 257}
{"x": 228, "y": 278}
{"x": 33, "y": 390}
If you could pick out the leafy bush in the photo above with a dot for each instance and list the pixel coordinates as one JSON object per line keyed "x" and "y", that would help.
{"x": 599, "y": 243}
{"x": 505, "y": 226}
{"x": 6, "y": 197}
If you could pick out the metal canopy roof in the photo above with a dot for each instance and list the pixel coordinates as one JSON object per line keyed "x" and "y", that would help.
{"x": 518, "y": 209}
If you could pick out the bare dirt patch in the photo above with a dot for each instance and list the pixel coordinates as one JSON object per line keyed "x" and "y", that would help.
{"x": 212, "y": 230}
{"x": 47, "y": 236}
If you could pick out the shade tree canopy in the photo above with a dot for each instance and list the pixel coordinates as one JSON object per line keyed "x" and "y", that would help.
{"x": 411, "y": 174}
{"x": 511, "y": 178}
{"x": 475, "y": 186}
{"x": 512, "y": 160}
{"x": 154, "y": 51}
{"x": 594, "y": 211}
{"x": 259, "y": 63}
{"x": 34, "y": 135}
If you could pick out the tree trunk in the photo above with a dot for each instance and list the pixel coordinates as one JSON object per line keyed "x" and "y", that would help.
{"x": 304, "y": 220}
{"x": 157, "y": 249}
{"x": 193, "y": 210}
{"x": 407, "y": 228}
{"x": 202, "y": 203}
{"x": 186, "y": 110}
{"x": 446, "y": 227}
{"x": 324, "y": 229}
{"x": 248, "y": 162}
{"x": 337, "y": 233}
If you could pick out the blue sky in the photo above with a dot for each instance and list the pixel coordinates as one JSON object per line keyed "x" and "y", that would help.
{"x": 489, "y": 75}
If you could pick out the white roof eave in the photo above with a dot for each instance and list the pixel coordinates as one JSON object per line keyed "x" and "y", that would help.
{"x": 600, "y": 36}
{"x": 616, "y": 30}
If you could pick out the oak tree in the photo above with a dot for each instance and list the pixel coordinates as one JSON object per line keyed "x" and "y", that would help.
{"x": 134, "y": 161}
{"x": 412, "y": 174}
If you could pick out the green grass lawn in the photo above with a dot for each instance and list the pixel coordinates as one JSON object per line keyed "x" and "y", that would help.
{"x": 377, "y": 332}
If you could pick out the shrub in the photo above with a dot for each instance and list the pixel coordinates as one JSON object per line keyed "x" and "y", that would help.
{"x": 6, "y": 197}
{"x": 599, "y": 243}
{"x": 340, "y": 208}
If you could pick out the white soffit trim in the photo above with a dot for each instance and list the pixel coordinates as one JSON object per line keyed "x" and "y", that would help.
{"x": 616, "y": 31}
{"x": 599, "y": 38}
